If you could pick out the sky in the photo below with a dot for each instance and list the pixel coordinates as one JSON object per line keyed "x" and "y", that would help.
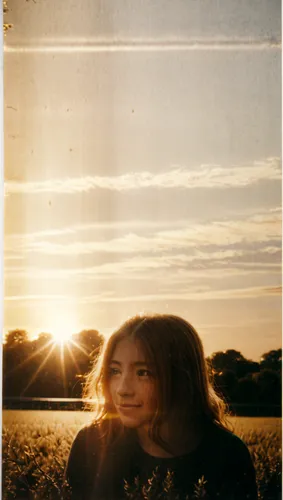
{"x": 143, "y": 167}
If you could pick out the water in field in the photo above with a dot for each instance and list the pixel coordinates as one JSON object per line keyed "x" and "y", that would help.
{"x": 79, "y": 418}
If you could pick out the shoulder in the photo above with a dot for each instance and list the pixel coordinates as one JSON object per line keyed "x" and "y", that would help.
{"x": 232, "y": 464}
{"x": 90, "y": 433}
{"x": 86, "y": 443}
{"x": 226, "y": 439}
{"x": 96, "y": 456}
{"x": 83, "y": 457}
{"x": 92, "y": 438}
{"x": 230, "y": 446}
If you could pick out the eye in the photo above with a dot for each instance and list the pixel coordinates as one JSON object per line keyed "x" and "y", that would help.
{"x": 144, "y": 373}
{"x": 113, "y": 371}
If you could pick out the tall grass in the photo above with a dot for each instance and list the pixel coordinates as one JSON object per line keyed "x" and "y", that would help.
{"x": 35, "y": 453}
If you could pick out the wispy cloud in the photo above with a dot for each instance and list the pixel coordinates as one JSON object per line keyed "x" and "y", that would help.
{"x": 180, "y": 268}
{"x": 256, "y": 229}
{"x": 117, "y": 225}
{"x": 120, "y": 226}
{"x": 35, "y": 297}
{"x": 71, "y": 45}
{"x": 205, "y": 176}
{"x": 239, "y": 293}
{"x": 52, "y": 298}
{"x": 189, "y": 294}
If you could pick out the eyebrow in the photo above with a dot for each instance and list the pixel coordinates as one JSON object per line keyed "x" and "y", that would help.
{"x": 136, "y": 363}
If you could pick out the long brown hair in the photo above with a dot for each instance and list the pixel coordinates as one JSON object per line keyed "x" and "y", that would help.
{"x": 184, "y": 387}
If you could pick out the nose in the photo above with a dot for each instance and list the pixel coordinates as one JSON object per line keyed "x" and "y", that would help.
{"x": 126, "y": 386}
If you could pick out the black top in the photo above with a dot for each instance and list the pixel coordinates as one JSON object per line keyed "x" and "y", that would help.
{"x": 220, "y": 466}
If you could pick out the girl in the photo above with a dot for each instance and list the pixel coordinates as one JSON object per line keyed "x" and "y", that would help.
{"x": 160, "y": 431}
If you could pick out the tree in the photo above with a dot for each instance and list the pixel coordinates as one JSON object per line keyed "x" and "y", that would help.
{"x": 225, "y": 359}
{"x": 90, "y": 340}
{"x": 16, "y": 350}
{"x": 42, "y": 340}
{"x": 269, "y": 386}
{"x": 234, "y": 361}
{"x": 16, "y": 337}
{"x": 226, "y": 381}
{"x": 247, "y": 391}
{"x": 272, "y": 360}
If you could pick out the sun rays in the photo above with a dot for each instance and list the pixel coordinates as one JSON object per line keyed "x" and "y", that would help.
{"x": 60, "y": 346}
{"x": 33, "y": 378}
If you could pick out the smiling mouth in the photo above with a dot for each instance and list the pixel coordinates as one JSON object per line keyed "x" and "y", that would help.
{"x": 128, "y": 406}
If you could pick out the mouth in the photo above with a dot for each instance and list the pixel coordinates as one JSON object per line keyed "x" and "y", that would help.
{"x": 125, "y": 406}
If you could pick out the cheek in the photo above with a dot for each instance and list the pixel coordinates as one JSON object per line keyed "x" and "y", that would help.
{"x": 112, "y": 386}
{"x": 151, "y": 396}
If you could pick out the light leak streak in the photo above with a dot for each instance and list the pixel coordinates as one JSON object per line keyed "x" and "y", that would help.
{"x": 79, "y": 46}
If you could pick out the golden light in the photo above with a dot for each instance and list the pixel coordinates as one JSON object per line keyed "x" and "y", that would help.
{"x": 61, "y": 336}
{"x": 62, "y": 328}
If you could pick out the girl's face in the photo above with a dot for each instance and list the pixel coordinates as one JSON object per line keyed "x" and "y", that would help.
{"x": 132, "y": 384}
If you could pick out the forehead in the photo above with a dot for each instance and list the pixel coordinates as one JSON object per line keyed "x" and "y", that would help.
{"x": 129, "y": 350}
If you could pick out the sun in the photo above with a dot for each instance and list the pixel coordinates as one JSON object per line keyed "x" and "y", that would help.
{"x": 62, "y": 328}
{"x": 62, "y": 336}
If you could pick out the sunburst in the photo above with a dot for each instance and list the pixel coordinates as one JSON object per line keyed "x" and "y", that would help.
{"x": 62, "y": 329}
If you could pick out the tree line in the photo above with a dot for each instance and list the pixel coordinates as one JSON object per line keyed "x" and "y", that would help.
{"x": 41, "y": 368}
{"x": 243, "y": 381}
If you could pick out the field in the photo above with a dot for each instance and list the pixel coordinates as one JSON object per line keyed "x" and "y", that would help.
{"x": 36, "y": 445}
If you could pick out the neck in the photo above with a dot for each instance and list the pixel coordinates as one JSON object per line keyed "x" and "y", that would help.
{"x": 149, "y": 446}
{"x": 179, "y": 442}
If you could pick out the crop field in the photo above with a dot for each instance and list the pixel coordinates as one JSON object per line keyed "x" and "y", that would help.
{"x": 36, "y": 446}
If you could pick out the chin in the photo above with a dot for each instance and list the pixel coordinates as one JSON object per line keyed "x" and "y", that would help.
{"x": 130, "y": 422}
{"x": 134, "y": 418}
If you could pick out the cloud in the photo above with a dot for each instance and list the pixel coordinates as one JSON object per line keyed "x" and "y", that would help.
{"x": 270, "y": 250}
{"x": 100, "y": 226}
{"x": 227, "y": 294}
{"x": 272, "y": 290}
{"x": 143, "y": 45}
{"x": 34, "y": 298}
{"x": 180, "y": 268}
{"x": 204, "y": 176}
{"x": 201, "y": 294}
{"x": 118, "y": 226}
{"x": 263, "y": 228}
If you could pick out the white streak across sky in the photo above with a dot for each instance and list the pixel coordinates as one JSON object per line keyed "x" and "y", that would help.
{"x": 68, "y": 45}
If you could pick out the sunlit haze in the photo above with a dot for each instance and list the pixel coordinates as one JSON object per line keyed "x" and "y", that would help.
{"x": 61, "y": 336}
{"x": 62, "y": 327}
{"x": 143, "y": 167}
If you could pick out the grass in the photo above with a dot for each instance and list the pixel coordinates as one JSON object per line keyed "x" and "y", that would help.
{"x": 36, "y": 446}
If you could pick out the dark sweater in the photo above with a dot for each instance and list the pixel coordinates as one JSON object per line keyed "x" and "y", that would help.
{"x": 221, "y": 462}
